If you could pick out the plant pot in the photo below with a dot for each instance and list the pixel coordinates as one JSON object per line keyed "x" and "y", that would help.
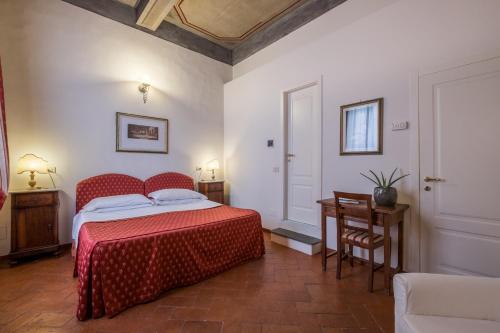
{"x": 385, "y": 196}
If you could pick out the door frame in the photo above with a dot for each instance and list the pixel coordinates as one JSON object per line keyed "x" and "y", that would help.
{"x": 414, "y": 259}
{"x": 318, "y": 82}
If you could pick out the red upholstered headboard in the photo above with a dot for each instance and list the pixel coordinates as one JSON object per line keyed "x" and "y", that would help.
{"x": 168, "y": 180}
{"x": 106, "y": 185}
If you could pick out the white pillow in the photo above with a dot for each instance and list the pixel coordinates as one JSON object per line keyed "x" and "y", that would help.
{"x": 171, "y": 194}
{"x": 116, "y": 201}
{"x": 175, "y": 202}
{"x": 114, "y": 209}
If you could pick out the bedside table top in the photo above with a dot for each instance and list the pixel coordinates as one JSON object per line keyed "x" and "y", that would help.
{"x": 211, "y": 181}
{"x": 36, "y": 190}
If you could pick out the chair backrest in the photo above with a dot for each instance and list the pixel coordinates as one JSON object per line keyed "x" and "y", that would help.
{"x": 360, "y": 212}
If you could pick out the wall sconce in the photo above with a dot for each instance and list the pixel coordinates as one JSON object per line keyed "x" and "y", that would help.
{"x": 144, "y": 89}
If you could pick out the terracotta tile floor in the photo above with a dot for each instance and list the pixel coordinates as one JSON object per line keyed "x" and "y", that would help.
{"x": 284, "y": 292}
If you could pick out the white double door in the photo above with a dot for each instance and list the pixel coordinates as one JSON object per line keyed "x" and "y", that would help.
{"x": 303, "y": 154}
{"x": 459, "y": 112}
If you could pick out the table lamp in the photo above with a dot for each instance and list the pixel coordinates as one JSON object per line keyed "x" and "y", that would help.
{"x": 212, "y": 166}
{"x": 32, "y": 163}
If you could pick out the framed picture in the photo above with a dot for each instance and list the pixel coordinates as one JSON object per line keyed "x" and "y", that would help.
{"x": 141, "y": 134}
{"x": 361, "y": 128}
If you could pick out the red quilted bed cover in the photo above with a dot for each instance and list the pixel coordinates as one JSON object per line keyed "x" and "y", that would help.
{"x": 123, "y": 263}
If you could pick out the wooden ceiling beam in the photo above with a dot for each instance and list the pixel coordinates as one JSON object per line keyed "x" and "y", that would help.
{"x": 151, "y": 13}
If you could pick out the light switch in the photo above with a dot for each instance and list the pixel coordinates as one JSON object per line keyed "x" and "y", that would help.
{"x": 400, "y": 125}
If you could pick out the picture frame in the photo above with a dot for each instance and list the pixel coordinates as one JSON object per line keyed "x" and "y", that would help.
{"x": 141, "y": 134}
{"x": 361, "y": 128}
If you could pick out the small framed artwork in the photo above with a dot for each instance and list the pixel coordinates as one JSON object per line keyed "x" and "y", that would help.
{"x": 361, "y": 128}
{"x": 141, "y": 134}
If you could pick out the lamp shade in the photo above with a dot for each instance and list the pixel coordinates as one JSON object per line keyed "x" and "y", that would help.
{"x": 213, "y": 165}
{"x": 32, "y": 163}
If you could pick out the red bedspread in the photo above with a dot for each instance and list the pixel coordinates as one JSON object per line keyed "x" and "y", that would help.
{"x": 123, "y": 263}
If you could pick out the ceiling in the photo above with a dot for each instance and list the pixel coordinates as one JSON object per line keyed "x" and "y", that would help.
{"x": 228, "y": 22}
{"x": 225, "y": 30}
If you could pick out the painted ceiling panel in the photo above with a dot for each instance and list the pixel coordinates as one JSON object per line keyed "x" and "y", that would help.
{"x": 228, "y": 21}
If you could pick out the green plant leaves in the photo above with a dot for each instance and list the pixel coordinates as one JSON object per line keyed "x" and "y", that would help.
{"x": 370, "y": 179}
{"x": 382, "y": 181}
{"x": 378, "y": 179}
{"x": 395, "y": 180}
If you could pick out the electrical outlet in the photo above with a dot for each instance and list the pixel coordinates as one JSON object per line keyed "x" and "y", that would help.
{"x": 400, "y": 125}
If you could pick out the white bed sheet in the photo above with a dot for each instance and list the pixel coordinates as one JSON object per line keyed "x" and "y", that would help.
{"x": 83, "y": 217}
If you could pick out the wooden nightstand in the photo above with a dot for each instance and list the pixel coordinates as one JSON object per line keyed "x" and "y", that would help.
{"x": 213, "y": 189}
{"x": 34, "y": 223}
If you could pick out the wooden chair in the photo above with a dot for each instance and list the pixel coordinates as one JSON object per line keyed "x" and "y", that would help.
{"x": 351, "y": 235}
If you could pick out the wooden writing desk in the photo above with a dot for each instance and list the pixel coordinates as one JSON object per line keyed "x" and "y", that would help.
{"x": 384, "y": 217}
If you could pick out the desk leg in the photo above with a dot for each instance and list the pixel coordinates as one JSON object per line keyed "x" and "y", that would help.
{"x": 400, "y": 246}
{"x": 340, "y": 248}
{"x": 387, "y": 257}
{"x": 323, "y": 241}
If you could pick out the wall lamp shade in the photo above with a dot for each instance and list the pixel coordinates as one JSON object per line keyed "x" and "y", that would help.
{"x": 32, "y": 163}
{"x": 212, "y": 166}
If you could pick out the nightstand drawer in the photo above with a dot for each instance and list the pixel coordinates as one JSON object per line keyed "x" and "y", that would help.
{"x": 215, "y": 187}
{"x": 33, "y": 200}
{"x": 213, "y": 190}
{"x": 216, "y": 196}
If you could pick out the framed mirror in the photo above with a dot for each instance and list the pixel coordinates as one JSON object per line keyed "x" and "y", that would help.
{"x": 361, "y": 128}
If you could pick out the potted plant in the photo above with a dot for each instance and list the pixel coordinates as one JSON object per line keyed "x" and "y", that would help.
{"x": 384, "y": 194}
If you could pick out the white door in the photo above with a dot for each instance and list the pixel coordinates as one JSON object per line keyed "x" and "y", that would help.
{"x": 303, "y": 154}
{"x": 459, "y": 113}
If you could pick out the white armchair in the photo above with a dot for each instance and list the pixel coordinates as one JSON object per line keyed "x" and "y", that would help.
{"x": 446, "y": 303}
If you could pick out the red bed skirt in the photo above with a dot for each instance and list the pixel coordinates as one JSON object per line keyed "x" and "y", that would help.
{"x": 123, "y": 263}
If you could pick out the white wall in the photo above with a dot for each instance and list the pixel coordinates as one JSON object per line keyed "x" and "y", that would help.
{"x": 369, "y": 57}
{"x": 68, "y": 71}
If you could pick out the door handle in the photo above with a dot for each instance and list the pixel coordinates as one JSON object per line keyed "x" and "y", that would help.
{"x": 290, "y": 155}
{"x": 433, "y": 179}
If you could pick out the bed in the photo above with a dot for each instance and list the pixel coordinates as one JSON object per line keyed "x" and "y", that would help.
{"x": 130, "y": 257}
